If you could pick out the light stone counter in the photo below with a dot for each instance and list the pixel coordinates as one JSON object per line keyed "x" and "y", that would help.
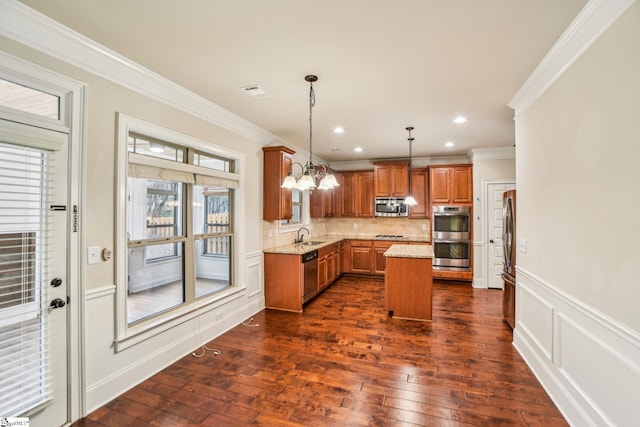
{"x": 409, "y": 251}
{"x": 329, "y": 239}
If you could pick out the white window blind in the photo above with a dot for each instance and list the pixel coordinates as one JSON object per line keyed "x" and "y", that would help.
{"x": 141, "y": 166}
{"x": 24, "y": 361}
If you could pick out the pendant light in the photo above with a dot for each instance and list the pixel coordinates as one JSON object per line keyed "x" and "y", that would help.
{"x": 306, "y": 180}
{"x": 410, "y": 201}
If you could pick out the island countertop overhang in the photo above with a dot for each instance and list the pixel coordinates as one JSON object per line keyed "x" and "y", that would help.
{"x": 409, "y": 251}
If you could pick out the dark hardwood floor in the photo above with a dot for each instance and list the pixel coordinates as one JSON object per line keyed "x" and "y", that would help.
{"x": 344, "y": 362}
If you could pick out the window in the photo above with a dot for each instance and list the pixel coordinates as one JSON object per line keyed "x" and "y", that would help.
{"x": 173, "y": 188}
{"x": 296, "y": 208}
{"x": 28, "y": 100}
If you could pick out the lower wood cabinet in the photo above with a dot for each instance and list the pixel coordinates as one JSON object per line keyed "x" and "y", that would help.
{"x": 367, "y": 256}
{"x": 360, "y": 256}
{"x": 329, "y": 264}
{"x": 283, "y": 282}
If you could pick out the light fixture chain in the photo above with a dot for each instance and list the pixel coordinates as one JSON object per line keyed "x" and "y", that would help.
{"x": 312, "y": 103}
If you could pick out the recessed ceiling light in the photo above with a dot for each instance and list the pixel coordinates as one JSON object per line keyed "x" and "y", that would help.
{"x": 338, "y": 129}
{"x": 460, "y": 119}
{"x": 449, "y": 144}
{"x": 358, "y": 149}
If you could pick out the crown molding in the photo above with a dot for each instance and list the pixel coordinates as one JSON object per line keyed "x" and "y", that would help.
{"x": 492, "y": 153}
{"x": 33, "y": 29}
{"x": 591, "y": 22}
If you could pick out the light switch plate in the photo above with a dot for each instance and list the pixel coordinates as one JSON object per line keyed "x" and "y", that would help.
{"x": 93, "y": 254}
{"x": 522, "y": 243}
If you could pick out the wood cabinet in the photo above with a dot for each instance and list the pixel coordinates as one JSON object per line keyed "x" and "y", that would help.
{"x": 283, "y": 282}
{"x": 276, "y": 200}
{"x": 329, "y": 264}
{"x": 357, "y": 199}
{"x": 391, "y": 179}
{"x": 323, "y": 203}
{"x": 450, "y": 185}
{"x": 360, "y": 257}
{"x": 408, "y": 288}
{"x": 367, "y": 256}
{"x": 419, "y": 191}
{"x": 379, "y": 260}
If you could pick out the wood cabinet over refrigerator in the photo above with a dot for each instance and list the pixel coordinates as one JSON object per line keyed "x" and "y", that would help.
{"x": 276, "y": 200}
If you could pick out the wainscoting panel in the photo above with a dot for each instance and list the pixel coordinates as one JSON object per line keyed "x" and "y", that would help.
{"x": 535, "y": 319}
{"x": 255, "y": 283}
{"x": 588, "y": 363}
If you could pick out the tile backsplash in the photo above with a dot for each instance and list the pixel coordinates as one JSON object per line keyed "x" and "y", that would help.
{"x": 417, "y": 228}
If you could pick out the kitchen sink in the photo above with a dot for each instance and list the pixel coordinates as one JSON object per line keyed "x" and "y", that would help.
{"x": 312, "y": 243}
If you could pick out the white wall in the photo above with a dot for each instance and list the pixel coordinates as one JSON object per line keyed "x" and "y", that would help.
{"x": 578, "y": 292}
{"x": 486, "y": 169}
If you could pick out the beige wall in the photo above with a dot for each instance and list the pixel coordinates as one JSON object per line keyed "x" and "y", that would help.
{"x": 105, "y": 99}
{"x": 577, "y": 152}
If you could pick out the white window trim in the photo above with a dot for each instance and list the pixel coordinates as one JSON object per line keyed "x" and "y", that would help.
{"x": 128, "y": 336}
{"x": 305, "y": 220}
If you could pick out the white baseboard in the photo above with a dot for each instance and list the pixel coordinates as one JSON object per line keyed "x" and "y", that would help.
{"x": 588, "y": 363}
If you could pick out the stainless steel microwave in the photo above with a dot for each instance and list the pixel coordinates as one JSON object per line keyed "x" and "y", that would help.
{"x": 391, "y": 206}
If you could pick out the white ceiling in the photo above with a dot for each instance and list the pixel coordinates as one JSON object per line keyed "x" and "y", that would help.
{"x": 382, "y": 65}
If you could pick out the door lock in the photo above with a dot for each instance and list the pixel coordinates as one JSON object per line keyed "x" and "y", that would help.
{"x": 56, "y": 281}
{"x": 57, "y": 303}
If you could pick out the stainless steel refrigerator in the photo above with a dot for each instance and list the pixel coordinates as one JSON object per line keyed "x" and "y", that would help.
{"x": 509, "y": 263}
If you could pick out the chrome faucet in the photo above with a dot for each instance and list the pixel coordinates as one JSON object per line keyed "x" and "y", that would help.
{"x": 301, "y": 238}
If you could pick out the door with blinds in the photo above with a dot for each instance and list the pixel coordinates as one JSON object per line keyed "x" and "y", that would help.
{"x": 34, "y": 218}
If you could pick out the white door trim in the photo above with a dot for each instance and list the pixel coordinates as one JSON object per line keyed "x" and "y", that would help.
{"x": 485, "y": 224}
{"x": 74, "y": 118}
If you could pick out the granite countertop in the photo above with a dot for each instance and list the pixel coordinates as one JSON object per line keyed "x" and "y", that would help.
{"x": 409, "y": 251}
{"x": 326, "y": 240}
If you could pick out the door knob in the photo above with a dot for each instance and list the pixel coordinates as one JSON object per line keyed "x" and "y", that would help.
{"x": 491, "y": 241}
{"x": 56, "y": 281}
{"x": 57, "y": 303}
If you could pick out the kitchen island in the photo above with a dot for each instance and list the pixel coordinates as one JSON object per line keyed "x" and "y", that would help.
{"x": 408, "y": 281}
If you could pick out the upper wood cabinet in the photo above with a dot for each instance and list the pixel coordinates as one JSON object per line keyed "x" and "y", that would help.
{"x": 276, "y": 204}
{"x": 356, "y": 190}
{"x": 451, "y": 184}
{"x": 391, "y": 179}
{"x": 419, "y": 187}
{"x": 324, "y": 203}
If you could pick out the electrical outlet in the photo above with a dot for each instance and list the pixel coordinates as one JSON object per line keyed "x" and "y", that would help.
{"x": 424, "y": 227}
{"x": 355, "y": 225}
{"x": 93, "y": 254}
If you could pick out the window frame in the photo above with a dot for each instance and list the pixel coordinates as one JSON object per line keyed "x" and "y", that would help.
{"x": 128, "y": 335}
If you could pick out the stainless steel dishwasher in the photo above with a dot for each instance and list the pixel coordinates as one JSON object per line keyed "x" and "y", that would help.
{"x": 309, "y": 275}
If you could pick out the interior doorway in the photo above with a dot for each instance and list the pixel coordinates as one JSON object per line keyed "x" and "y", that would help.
{"x": 493, "y": 231}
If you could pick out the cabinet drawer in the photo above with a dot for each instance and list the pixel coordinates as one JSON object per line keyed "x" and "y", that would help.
{"x": 361, "y": 243}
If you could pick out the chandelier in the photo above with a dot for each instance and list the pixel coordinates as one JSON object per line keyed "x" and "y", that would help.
{"x": 410, "y": 201}
{"x": 309, "y": 173}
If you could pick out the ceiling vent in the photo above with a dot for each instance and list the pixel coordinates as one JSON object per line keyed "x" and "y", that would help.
{"x": 254, "y": 91}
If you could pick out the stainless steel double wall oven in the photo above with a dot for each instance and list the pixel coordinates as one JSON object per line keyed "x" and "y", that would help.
{"x": 451, "y": 235}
